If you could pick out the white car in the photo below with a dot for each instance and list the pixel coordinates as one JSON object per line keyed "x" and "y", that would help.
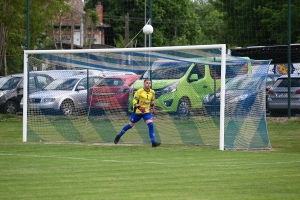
{"x": 66, "y": 95}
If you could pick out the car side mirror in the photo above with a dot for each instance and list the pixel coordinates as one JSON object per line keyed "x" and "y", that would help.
{"x": 80, "y": 88}
{"x": 194, "y": 77}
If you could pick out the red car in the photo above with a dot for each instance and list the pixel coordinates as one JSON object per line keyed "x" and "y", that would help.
{"x": 111, "y": 92}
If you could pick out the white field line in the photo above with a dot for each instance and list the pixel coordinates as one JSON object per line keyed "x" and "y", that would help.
{"x": 157, "y": 163}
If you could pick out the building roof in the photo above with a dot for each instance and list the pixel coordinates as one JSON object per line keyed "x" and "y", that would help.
{"x": 77, "y": 6}
{"x": 278, "y": 53}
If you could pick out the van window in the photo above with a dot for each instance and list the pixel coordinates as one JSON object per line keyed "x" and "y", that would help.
{"x": 231, "y": 70}
{"x": 243, "y": 83}
{"x": 170, "y": 70}
{"x": 198, "y": 69}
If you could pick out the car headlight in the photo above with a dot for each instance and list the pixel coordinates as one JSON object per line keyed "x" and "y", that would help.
{"x": 170, "y": 88}
{"x": 47, "y": 100}
{"x": 206, "y": 98}
{"x": 239, "y": 98}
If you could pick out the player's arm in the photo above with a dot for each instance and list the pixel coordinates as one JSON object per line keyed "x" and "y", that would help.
{"x": 135, "y": 100}
{"x": 152, "y": 103}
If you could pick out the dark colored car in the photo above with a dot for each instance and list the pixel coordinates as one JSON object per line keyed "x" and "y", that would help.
{"x": 278, "y": 94}
{"x": 241, "y": 93}
{"x": 111, "y": 92}
{"x": 11, "y": 89}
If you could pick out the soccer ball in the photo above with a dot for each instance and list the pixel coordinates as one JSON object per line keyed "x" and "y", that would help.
{"x": 148, "y": 29}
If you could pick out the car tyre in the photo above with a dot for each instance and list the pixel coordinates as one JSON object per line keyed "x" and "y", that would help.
{"x": 67, "y": 107}
{"x": 183, "y": 107}
{"x": 10, "y": 107}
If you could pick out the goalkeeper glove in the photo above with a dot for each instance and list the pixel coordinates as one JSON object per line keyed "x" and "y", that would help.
{"x": 142, "y": 109}
{"x": 153, "y": 109}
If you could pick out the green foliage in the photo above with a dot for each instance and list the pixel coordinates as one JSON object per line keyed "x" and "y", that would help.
{"x": 13, "y": 16}
{"x": 120, "y": 43}
{"x": 15, "y": 52}
{"x": 174, "y": 22}
{"x": 263, "y": 22}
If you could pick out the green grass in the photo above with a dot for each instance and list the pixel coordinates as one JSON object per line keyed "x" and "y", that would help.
{"x": 105, "y": 171}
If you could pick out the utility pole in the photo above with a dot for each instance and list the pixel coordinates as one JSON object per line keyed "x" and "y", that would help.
{"x": 289, "y": 58}
{"x": 27, "y": 24}
{"x": 150, "y": 22}
{"x": 145, "y": 36}
{"x": 126, "y": 29}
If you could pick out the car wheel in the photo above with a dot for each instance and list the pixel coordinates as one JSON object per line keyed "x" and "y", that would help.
{"x": 10, "y": 107}
{"x": 67, "y": 107}
{"x": 183, "y": 107}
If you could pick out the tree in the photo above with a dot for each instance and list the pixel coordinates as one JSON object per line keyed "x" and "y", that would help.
{"x": 211, "y": 22}
{"x": 174, "y": 22}
{"x": 13, "y": 29}
{"x": 260, "y": 22}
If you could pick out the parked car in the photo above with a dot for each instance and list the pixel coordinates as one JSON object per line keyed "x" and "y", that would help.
{"x": 181, "y": 85}
{"x": 271, "y": 79}
{"x": 111, "y": 92}
{"x": 63, "y": 95}
{"x": 104, "y": 73}
{"x": 278, "y": 94}
{"x": 241, "y": 93}
{"x": 11, "y": 89}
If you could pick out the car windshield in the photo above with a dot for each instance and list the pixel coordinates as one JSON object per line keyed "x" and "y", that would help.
{"x": 111, "y": 82}
{"x": 244, "y": 83}
{"x": 170, "y": 70}
{"x": 232, "y": 70}
{"x": 8, "y": 83}
{"x": 283, "y": 82}
{"x": 62, "y": 84}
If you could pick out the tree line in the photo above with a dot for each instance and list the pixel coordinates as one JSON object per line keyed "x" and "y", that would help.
{"x": 176, "y": 22}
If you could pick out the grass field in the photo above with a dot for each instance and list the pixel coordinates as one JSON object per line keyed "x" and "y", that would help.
{"x": 106, "y": 171}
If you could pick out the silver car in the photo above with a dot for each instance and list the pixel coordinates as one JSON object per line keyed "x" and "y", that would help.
{"x": 66, "y": 95}
{"x": 278, "y": 94}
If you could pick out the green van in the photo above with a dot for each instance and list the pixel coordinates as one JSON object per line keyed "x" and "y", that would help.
{"x": 181, "y": 85}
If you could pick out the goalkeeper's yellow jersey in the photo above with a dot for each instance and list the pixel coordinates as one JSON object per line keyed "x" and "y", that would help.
{"x": 143, "y": 98}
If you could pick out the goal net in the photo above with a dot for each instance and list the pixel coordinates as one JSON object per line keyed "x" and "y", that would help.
{"x": 202, "y": 96}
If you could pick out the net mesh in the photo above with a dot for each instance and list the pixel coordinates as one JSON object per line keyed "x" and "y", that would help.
{"x": 93, "y": 100}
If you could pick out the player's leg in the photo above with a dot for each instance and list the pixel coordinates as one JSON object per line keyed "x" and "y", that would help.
{"x": 133, "y": 119}
{"x": 148, "y": 119}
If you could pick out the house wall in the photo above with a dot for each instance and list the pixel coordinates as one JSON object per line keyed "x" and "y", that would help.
{"x": 98, "y": 34}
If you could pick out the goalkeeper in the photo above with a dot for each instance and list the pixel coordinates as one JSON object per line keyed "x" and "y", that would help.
{"x": 143, "y": 106}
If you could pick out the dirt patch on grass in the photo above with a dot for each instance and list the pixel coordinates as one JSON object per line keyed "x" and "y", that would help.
{"x": 278, "y": 119}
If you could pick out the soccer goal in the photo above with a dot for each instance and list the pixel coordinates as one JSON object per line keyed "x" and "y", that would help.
{"x": 202, "y": 96}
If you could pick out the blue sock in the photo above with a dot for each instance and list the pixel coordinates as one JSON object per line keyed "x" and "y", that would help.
{"x": 151, "y": 131}
{"x": 125, "y": 128}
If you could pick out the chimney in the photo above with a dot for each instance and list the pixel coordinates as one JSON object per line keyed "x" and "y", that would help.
{"x": 99, "y": 9}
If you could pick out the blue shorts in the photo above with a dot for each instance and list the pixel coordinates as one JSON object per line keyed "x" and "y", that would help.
{"x": 136, "y": 117}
